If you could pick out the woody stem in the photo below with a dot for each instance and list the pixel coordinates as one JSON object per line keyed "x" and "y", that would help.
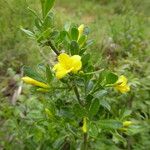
{"x": 53, "y": 48}
{"x": 85, "y": 141}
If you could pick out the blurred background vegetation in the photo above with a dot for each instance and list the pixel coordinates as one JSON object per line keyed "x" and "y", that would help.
{"x": 121, "y": 34}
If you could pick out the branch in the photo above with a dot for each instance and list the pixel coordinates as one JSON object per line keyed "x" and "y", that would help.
{"x": 53, "y": 48}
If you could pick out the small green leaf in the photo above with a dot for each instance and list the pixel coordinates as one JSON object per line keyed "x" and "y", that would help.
{"x": 94, "y": 108}
{"x": 48, "y": 21}
{"x": 126, "y": 113}
{"x": 46, "y": 6}
{"x": 105, "y": 104}
{"x": 33, "y": 74}
{"x": 82, "y": 40}
{"x": 93, "y": 131}
{"x": 85, "y": 59}
{"x": 109, "y": 124}
{"x": 44, "y": 35}
{"x": 29, "y": 33}
{"x": 62, "y": 35}
{"x": 74, "y": 48}
{"x": 49, "y": 74}
{"x": 79, "y": 111}
{"x": 100, "y": 94}
{"x": 74, "y": 34}
{"x": 111, "y": 78}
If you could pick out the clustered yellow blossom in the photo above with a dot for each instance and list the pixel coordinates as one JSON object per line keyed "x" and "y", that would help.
{"x": 122, "y": 85}
{"x": 67, "y": 64}
{"x": 84, "y": 127}
{"x": 34, "y": 82}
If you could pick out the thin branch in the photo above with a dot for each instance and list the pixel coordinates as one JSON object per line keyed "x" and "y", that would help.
{"x": 85, "y": 141}
{"x": 53, "y": 48}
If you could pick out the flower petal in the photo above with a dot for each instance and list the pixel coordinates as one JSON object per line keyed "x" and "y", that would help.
{"x": 122, "y": 80}
{"x": 61, "y": 73}
{"x": 76, "y": 63}
{"x": 64, "y": 60}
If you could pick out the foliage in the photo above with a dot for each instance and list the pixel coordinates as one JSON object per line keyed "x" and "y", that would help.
{"x": 52, "y": 118}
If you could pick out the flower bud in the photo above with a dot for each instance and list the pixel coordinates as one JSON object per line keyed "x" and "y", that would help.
{"x": 84, "y": 127}
{"x": 127, "y": 123}
{"x": 31, "y": 81}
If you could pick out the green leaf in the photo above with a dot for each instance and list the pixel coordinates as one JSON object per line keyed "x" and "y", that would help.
{"x": 74, "y": 34}
{"x": 85, "y": 59}
{"x": 109, "y": 124}
{"x": 117, "y": 138}
{"x": 49, "y": 74}
{"x": 100, "y": 94}
{"x": 105, "y": 104}
{"x": 89, "y": 86}
{"x": 28, "y": 32}
{"x": 33, "y": 74}
{"x": 126, "y": 113}
{"x": 48, "y": 21}
{"x": 79, "y": 111}
{"x": 82, "y": 40}
{"x": 44, "y": 35}
{"x": 111, "y": 78}
{"x": 74, "y": 48}
{"x": 59, "y": 142}
{"x": 62, "y": 35}
{"x": 46, "y": 6}
{"x": 93, "y": 131}
{"x": 94, "y": 108}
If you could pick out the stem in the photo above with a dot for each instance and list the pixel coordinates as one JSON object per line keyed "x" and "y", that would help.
{"x": 85, "y": 141}
{"x": 53, "y": 47}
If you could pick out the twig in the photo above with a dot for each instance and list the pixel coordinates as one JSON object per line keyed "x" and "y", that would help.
{"x": 53, "y": 47}
{"x": 85, "y": 141}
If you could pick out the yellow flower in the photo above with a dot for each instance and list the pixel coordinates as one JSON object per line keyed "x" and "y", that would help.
{"x": 121, "y": 84}
{"x": 67, "y": 64}
{"x": 84, "y": 127}
{"x": 127, "y": 123}
{"x": 31, "y": 81}
{"x": 80, "y": 29}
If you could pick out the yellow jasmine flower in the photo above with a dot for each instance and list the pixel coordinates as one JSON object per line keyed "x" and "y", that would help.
{"x": 31, "y": 81}
{"x": 121, "y": 84}
{"x": 80, "y": 29}
{"x": 127, "y": 123}
{"x": 84, "y": 127}
{"x": 67, "y": 64}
